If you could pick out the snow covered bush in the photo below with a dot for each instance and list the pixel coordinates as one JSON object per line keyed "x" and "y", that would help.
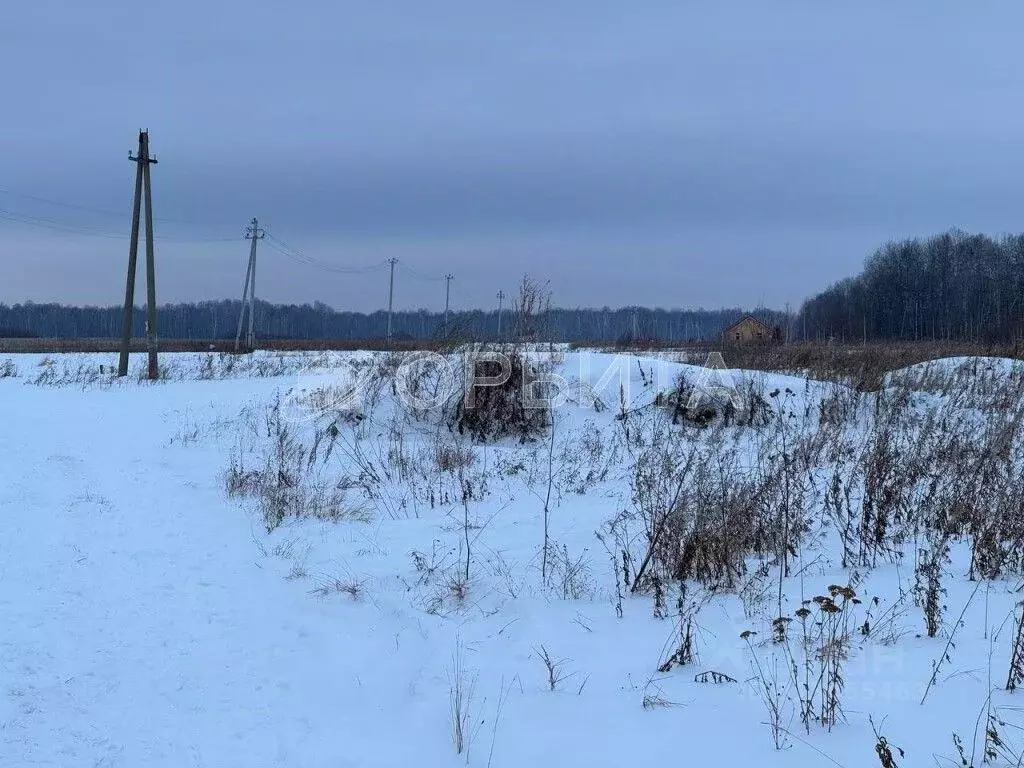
{"x": 501, "y": 396}
{"x": 689, "y": 404}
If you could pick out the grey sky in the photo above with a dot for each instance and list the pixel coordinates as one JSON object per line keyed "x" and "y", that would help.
{"x": 664, "y": 152}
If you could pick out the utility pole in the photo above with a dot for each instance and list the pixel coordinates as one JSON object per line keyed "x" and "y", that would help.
{"x": 391, "y": 296}
{"x": 253, "y": 233}
{"x": 143, "y": 190}
{"x": 245, "y": 301}
{"x": 447, "y": 295}
{"x": 501, "y": 298}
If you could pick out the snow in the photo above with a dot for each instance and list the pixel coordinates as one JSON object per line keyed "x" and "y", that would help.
{"x": 149, "y": 619}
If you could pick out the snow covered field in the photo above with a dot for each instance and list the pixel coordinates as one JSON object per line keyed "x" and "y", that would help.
{"x": 228, "y": 568}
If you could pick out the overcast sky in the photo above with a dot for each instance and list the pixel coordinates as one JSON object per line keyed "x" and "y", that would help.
{"x": 664, "y": 152}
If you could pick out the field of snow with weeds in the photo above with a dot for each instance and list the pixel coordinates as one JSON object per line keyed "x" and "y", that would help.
{"x": 323, "y": 560}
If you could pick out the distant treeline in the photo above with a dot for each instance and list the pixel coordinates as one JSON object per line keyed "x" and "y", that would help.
{"x": 219, "y": 319}
{"x": 952, "y": 286}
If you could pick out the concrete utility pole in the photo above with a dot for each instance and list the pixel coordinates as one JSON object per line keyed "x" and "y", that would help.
{"x": 143, "y": 189}
{"x": 447, "y": 295}
{"x": 253, "y": 233}
{"x": 245, "y": 301}
{"x": 501, "y": 298}
{"x": 391, "y": 296}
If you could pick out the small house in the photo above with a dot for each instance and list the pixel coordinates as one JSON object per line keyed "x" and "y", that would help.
{"x": 751, "y": 330}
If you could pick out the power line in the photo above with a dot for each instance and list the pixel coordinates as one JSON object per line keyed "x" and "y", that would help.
{"x": 279, "y": 245}
{"x": 38, "y": 221}
{"x": 296, "y": 255}
{"x": 60, "y": 204}
{"x": 419, "y": 275}
{"x": 82, "y": 229}
{"x": 311, "y": 262}
{"x": 91, "y": 209}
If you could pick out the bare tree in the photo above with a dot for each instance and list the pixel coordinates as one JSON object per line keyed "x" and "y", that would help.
{"x": 532, "y": 304}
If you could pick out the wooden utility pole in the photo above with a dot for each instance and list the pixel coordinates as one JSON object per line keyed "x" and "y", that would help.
{"x": 447, "y": 295}
{"x": 501, "y": 298}
{"x": 253, "y": 233}
{"x": 391, "y": 296}
{"x": 143, "y": 189}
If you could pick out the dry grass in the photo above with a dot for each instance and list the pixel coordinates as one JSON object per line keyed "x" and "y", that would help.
{"x": 330, "y": 585}
{"x": 461, "y": 698}
{"x": 452, "y": 457}
{"x": 862, "y": 364}
{"x": 933, "y": 460}
{"x": 49, "y": 345}
{"x": 556, "y": 673}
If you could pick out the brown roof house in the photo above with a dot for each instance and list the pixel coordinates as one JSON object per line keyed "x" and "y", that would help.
{"x": 750, "y": 330}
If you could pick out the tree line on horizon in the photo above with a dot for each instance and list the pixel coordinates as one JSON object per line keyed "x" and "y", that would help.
{"x": 219, "y": 320}
{"x": 952, "y": 286}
